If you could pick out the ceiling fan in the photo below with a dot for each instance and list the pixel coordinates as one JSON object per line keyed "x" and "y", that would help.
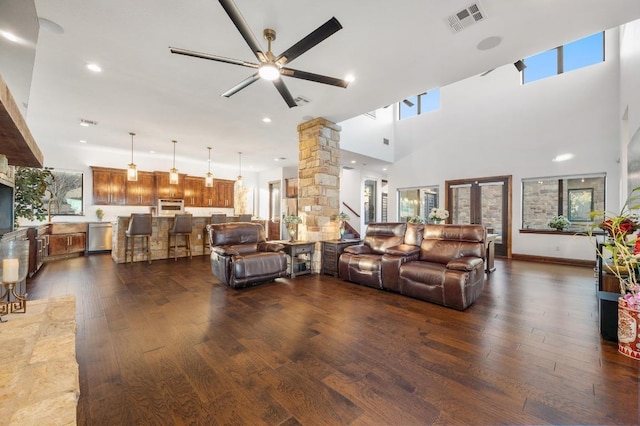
{"x": 271, "y": 67}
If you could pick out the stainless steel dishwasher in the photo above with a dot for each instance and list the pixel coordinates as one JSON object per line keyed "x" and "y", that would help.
{"x": 99, "y": 237}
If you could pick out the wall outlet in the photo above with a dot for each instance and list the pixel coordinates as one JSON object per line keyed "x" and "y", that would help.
{"x": 307, "y": 208}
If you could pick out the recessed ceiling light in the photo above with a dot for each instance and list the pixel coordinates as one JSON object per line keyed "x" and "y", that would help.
{"x": 563, "y": 157}
{"x": 350, "y": 78}
{"x": 83, "y": 141}
{"x": 94, "y": 67}
{"x": 266, "y": 120}
{"x": 10, "y": 36}
{"x": 152, "y": 152}
{"x": 353, "y": 161}
{"x": 384, "y": 169}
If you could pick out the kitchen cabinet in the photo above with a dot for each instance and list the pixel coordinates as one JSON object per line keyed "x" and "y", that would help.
{"x": 193, "y": 191}
{"x": 142, "y": 191}
{"x": 109, "y": 186}
{"x": 61, "y": 244}
{"x": 165, "y": 190}
{"x": 224, "y": 193}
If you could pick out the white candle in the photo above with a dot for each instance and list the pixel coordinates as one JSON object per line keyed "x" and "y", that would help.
{"x": 10, "y": 268}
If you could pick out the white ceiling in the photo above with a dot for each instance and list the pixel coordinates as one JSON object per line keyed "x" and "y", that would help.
{"x": 394, "y": 49}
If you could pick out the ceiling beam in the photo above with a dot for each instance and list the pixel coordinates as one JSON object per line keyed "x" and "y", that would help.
{"x": 16, "y": 141}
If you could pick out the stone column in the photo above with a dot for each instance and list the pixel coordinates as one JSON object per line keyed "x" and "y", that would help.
{"x": 318, "y": 182}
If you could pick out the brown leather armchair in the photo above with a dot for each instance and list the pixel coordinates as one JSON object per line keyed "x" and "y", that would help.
{"x": 375, "y": 263}
{"x": 450, "y": 267}
{"x": 240, "y": 255}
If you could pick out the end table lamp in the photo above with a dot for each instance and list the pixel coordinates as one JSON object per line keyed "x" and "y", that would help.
{"x": 13, "y": 270}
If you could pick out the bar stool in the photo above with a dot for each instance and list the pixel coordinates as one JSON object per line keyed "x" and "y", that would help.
{"x": 139, "y": 227}
{"x": 244, "y": 217}
{"x": 182, "y": 226}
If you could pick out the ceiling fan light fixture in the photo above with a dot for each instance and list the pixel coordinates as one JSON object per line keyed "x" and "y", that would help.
{"x": 269, "y": 71}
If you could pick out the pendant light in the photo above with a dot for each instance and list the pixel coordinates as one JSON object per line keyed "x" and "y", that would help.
{"x": 132, "y": 172}
{"x": 239, "y": 181}
{"x": 208, "y": 178}
{"x": 173, "y": 173}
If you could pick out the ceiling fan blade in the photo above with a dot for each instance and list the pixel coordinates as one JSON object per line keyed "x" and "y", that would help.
{"x": 314, "y": 77}
{"x": 284, "y": 92}
{"x": 217, "y": 58}
{"x": 244, "y": 83}
{"x": 238, "y": 20}
{"x": 316, "y": 36}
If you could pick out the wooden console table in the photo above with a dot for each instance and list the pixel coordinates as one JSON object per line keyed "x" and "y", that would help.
{"x": 39, "y": 373}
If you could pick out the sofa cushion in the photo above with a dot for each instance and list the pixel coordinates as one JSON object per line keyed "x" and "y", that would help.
{"x": 380, "y": 236}
{"x": 258, "y": 264}
{"x": 235, "y": 233}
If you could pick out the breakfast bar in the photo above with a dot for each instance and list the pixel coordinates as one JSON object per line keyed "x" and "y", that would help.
{"x": 160, "y": 237}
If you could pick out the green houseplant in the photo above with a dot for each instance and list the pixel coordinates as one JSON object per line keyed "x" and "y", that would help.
{"x": 342, "y": 219}
{"x": 31, "y": 186}
{"x": 559, "y": 223}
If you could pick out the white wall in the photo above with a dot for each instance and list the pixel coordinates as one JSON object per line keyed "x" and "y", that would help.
{"x": 493, "y": 125}
{"x": 364, "y": 135}
{"x": 629, "y": 90}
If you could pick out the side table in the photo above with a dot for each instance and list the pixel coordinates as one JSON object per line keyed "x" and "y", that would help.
{"x": 331, "y": 251}
{"x": 299, "y": 255}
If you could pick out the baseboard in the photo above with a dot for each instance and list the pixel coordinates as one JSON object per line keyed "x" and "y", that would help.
{"x": 556, "y": 260}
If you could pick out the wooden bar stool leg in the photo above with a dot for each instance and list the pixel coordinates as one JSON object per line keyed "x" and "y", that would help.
{"x": 148, "y": 238}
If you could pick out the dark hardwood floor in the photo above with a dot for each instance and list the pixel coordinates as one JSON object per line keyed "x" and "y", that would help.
{"x": 166, "y": 344}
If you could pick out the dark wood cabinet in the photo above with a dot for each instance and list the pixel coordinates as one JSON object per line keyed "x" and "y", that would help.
{"x": 109, "y": 186}
{"x": 166, "y": 190}
{"x": 62, "y": 244}
{"x": 142, "y": 191}
{"x": 193, "y": 191}
{"x": 224, "y": 190}
{"x": 331, "y": 251}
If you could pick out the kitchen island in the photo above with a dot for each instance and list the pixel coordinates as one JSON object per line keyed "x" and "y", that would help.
{"x": 160, "y": 237}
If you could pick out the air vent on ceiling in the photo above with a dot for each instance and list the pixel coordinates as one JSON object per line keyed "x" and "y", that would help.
{"x": 347, "y": 167}
{"x": 385, "y": 141}
{"x": 466, "y": 17}
{"x": 370, "y": 114}
{"x": 301, "y": 100}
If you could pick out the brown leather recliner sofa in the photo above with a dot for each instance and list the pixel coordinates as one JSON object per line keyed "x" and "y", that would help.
{"x": 375, "y": 262}
{"x": 442, "y": 264}
{"x": 241, "y": 256}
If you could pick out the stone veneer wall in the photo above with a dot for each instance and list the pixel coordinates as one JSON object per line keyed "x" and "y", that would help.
{"x": 319, "y": 182}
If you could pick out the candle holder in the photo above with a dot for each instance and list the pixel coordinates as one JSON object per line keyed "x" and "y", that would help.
{"x": 14, "y": 265}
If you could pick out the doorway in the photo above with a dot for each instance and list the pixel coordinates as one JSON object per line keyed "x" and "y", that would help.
{"x": 485, "y": 201}
{"x": 275, "y": 206}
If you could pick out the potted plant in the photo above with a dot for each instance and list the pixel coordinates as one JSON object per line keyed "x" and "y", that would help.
{"x": 559, "y": 223}
{"x": 99, "y": 214}
{"x": 292, "y": 222}
{"x": 620, "y": 254}
{"x": 437, "y": 215}
{"x": 342, "y": 219}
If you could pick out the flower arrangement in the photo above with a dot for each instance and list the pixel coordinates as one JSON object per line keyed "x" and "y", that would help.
{"x": 623, "y": 245}
{"x": 416, "y": 220}
{"x": 342, "y": 218}
{"x": 559, "y": 222}
{"x": 438, "y": 215}
{"x": 292, "y": 219}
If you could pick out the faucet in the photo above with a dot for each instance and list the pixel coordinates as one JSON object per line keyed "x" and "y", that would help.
{"x": 56, "y": 202}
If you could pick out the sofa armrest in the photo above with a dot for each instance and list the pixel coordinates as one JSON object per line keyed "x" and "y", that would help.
{"x": 465, "y": 263}
{"x": 268, "y": 246}
{"x": 359, "y": 249}
{"x": 224, "y": 251}
{"x": 403, "y": 250}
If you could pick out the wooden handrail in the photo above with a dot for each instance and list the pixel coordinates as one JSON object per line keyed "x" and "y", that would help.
{"x": 350, "y": 209}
